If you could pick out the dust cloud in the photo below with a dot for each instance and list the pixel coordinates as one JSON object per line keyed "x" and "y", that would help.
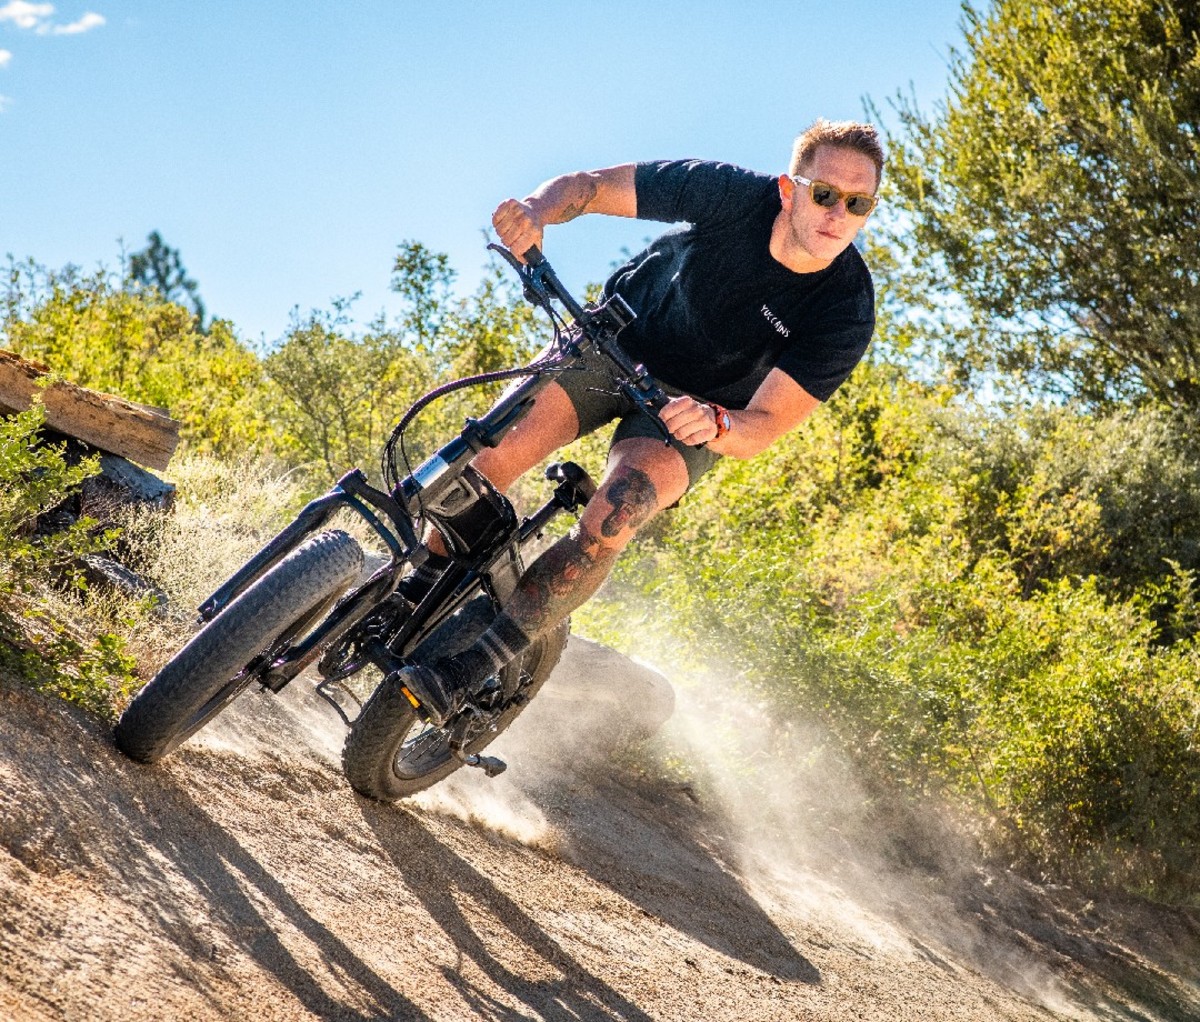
{"x": 808, "y": 839}
{"x": 792, "y": 821}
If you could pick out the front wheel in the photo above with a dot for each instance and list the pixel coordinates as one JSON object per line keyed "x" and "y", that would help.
{"x": 391, "y": 753}
{"x": 210, "y": 671}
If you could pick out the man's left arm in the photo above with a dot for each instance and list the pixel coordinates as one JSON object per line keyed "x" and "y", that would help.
{"x": 779, "y": 405}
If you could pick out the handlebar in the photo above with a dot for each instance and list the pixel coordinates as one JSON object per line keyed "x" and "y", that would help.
{"x": 600, "y": 324}
{"x": 595, "y": 327}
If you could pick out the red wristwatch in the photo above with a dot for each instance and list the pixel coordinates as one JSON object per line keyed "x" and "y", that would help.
{"x": 723, "y": 420}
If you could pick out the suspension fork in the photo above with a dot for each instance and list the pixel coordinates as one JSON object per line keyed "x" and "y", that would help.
{"x": 352, "y": 491}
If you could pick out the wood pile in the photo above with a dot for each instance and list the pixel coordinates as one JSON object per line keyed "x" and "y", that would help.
{"x": 125, "y": 435}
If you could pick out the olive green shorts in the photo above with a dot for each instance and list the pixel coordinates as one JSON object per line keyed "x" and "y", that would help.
{"x": 597, "y": 402}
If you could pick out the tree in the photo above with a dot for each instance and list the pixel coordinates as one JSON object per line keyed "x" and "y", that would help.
{"x": 343, "y": 391}
{"x": 1057, "y": 195}
{"x": 339, "y": 393}
{"x": 423, "y": 278}
{"x": 159, "y": 266}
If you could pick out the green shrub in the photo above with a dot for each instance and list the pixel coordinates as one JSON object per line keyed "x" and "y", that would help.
{"x": 35, "y": 641}
{"x": 1065, "y": 493}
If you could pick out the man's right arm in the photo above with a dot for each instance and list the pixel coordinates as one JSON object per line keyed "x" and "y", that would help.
{"x": 520, "y": 223}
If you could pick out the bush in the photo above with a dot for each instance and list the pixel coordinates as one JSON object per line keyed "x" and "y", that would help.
{"x": 997, "y": 609}
{"x": 1068, "y": 494}
{"x": 35, "y": 642}
{"x": 338, "y": 395}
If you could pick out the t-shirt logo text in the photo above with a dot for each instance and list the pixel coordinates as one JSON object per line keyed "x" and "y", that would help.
{"x": 776, "y": 322}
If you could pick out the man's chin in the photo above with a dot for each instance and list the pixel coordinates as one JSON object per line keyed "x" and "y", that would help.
{"x": 829, "y": 249}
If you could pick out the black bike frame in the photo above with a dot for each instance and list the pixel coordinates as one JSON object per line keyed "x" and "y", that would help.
{"x": 392, "y": 515}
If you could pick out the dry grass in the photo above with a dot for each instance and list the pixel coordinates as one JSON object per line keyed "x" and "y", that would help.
{"x": 225, "y": 511}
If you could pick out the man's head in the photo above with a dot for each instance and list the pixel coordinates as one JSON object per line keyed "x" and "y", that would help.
{"x": 853, "y": 135}
{"x": 828, "y": 193}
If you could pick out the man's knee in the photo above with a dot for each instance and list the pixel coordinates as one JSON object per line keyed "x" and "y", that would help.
{"x": 550, "y": 424}
{"x": 643, "y": 478}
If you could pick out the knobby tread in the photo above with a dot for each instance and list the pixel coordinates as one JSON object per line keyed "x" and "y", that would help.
{"x": 304, "y": 580}
{"x": 369, "y": 755}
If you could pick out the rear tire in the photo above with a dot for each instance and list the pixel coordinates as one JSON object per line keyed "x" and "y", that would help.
{"x": 391, "y": 753}
{"x": 210, "y": 671}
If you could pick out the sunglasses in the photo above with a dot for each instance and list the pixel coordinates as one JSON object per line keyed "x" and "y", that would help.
{"x": 823, "y": 194}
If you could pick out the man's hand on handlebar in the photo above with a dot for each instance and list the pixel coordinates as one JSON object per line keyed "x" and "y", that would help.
{"x": 690, "y": 421}
{"x": 518, "y": 226}
{"x": 683, "y": 418}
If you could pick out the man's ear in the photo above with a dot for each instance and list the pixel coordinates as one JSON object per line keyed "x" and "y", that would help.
{"x": 787, "y": 191}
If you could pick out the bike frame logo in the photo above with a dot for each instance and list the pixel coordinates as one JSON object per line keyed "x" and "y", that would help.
{"x": 776, "y": 322}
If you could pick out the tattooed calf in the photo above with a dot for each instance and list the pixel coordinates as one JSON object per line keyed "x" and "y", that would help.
{"x": 634, "y": 501}
{"x": 560, "y": 580}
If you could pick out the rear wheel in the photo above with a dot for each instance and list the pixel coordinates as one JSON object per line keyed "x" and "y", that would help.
{"x": 392, "y": 753}
{"x": 215, "y": 666}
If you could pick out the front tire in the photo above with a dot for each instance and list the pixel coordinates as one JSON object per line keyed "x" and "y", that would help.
{"x": 391, "y": 753}
{"x": 211, "y": 670}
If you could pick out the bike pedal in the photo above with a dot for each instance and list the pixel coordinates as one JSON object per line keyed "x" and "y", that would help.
{"x": 490, "y": 765}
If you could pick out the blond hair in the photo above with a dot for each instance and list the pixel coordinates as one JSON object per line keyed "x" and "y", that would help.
{"x": 861, "y": 138}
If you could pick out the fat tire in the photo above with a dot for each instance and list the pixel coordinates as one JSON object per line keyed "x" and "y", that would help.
{"x": 207, "y": 674}
{"x": 387, "y": 721}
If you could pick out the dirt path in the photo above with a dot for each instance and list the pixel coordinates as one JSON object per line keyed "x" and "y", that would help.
{"x": 243, "y": 880}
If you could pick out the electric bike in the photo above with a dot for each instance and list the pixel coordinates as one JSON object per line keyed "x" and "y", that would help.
{"x": 302, "y": 599}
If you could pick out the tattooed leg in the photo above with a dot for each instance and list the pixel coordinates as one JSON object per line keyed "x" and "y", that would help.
{"x": 561, "y": 580}
{"x": 572, "y": 570}
{"x": 553, "y": 586}
{"x": 643, "y": 477}
{"x": 633, "y": 499}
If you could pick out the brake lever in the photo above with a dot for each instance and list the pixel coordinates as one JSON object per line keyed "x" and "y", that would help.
{"x": 508, "y": 257}
{"x": 531, "y": 274}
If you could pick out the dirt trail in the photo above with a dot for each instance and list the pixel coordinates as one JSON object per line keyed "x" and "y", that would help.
{"x": 243, "y": 880}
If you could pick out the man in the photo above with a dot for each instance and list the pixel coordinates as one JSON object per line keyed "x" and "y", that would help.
{"x": 751, "y": 316}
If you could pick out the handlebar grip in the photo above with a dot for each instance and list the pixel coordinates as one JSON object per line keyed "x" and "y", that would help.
{"x": 658, "y": 397}
{"x": 533, "y": 256}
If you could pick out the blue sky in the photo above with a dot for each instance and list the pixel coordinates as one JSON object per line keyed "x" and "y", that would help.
{"x": 286, "y": 149}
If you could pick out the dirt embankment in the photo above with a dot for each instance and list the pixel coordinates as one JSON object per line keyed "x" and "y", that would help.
{"x": 242, "y": 879}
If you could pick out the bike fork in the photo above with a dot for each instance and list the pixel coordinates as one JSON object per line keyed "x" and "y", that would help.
{"x": 352, "y": 491}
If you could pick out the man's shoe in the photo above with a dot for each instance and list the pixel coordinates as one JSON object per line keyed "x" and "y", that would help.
{"x": 439, "y": 691}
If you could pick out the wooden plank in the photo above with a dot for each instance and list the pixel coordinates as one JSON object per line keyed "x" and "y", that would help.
{"x": 142, "y": 434}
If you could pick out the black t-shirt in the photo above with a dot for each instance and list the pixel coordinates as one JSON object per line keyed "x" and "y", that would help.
{"x": 715, "y": 311}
